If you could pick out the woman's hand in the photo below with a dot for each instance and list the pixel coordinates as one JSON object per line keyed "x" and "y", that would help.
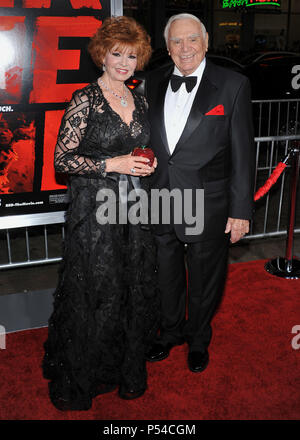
{"x": 128, "y": 164}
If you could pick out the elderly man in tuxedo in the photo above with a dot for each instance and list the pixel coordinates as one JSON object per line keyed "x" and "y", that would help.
{"x": 202, "y": 136}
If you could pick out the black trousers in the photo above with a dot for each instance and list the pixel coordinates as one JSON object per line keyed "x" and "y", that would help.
{"x": 195, "y": 288}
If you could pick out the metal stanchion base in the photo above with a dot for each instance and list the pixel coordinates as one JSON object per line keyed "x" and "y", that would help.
{"x": 284, "y": 268}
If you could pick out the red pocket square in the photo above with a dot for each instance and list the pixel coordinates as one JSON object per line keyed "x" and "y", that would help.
{"x": 218, "y": 110}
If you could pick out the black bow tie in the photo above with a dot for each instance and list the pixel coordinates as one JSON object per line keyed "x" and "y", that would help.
{"x": 176, "y": 81}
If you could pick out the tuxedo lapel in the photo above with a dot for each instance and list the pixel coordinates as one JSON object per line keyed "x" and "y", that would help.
{"x": 159, "y": 109}
{"x": 203, "y": 98}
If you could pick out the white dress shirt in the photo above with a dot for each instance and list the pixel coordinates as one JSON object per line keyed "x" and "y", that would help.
{"x": 178, "y": 106}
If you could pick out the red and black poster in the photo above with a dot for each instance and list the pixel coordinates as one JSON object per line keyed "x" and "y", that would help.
{"x": 43, "y": 59}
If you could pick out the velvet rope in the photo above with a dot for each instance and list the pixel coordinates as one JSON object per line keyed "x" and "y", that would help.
{"x": 270, "y": 181}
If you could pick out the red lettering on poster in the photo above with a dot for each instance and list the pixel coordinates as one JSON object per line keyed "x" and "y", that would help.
{"x": 52, "y": 124}
{"x": 36, "y": 3}
{"x": 76, "y": 4}
{"x": 48, "y": 59}
{"x": 8, "y": 23}
{"x": 94, "y": 4}
{"x": 12, "y": 38}
{"x": 7, "y": 3}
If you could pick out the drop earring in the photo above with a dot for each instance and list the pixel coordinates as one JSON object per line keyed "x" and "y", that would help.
{"x": 103, "y": 68}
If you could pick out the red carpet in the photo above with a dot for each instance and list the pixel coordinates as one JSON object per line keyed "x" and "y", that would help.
{"x": 253, "y": 372}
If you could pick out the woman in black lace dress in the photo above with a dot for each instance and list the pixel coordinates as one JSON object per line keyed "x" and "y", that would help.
{"x": 106, "y": 309}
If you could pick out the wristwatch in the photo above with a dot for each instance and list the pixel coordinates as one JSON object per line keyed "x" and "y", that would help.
{"x": 103, "y": 168}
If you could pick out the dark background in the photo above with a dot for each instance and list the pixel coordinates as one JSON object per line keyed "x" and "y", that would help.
{"x": 234, "y": 31}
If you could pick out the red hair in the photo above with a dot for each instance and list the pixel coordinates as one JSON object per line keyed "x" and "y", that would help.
{"x": 120, "y": 33}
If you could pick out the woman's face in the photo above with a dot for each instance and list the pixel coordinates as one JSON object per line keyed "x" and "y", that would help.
{"x": 120, "y": 64}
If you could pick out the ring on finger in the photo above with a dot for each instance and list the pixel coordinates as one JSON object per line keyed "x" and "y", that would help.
{"x": 132, "y": 170}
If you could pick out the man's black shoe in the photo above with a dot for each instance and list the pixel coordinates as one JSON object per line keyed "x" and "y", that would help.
{"x": 159, "y": 351}
{"x": 198, "y": 361}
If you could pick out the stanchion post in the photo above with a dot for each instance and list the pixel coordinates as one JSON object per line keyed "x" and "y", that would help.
{"x": 288, "y": 267}
{"x": 292, "y": 213}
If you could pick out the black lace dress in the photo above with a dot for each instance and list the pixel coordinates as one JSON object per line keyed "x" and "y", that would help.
{"x": 106, "y": 310}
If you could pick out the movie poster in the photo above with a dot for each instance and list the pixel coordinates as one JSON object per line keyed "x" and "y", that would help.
{"x": 43, "y": 59}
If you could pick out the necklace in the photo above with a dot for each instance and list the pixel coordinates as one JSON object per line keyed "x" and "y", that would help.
{"x": 123, "y": 99}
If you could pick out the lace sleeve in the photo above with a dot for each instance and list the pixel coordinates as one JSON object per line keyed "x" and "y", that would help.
{"x": 71, "y": 132}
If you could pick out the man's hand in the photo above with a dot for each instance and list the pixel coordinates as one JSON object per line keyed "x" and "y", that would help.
{"x": 237, "y": 227}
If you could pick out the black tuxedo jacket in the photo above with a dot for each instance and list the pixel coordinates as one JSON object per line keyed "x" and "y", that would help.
{"x": 215, "y": 152}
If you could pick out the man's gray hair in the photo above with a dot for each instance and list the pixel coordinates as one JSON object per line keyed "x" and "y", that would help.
{"x": 182, "y": 17}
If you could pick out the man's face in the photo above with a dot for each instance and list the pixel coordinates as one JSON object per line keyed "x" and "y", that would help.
{"x": 186, "y": 44}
